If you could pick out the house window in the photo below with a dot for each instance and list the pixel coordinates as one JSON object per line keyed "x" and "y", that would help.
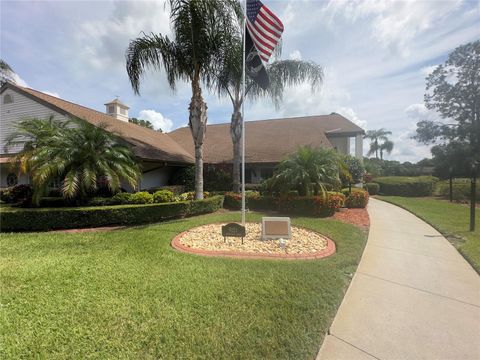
{"x": 7, "y": 99}
{"x": 111, "y": 109}
{"x": 12, "y": 179}
{"x": 266, "y": 173}
{"x": 122, "y": 111}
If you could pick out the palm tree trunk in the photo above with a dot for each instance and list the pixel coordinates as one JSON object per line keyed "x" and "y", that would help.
{"x": 376, "y": 148}
{"x": 236, "y": 134}
{"x": 198, "y": 124}
{"x": 381, "y": 154}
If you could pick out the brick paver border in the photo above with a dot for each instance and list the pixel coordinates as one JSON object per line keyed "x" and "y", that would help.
{"x": 329, "y": 250}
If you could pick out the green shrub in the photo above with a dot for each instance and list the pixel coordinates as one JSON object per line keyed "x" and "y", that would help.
{"x": 355, "y": 168}
{"x": 102, "y": 201}
{"x": 175, "y": 189}
{"x": 233, "y": 201}
{"x": 122, "y": 198}
{"x": 141, "y": 197}
{"x": 372, "y": 188}
{"x": 357, "y": 199}
{"x": 319, "y": 206}
{"x": 19, "y": 194}
{"x": 184, "y": 177}
{"x": 191, "y": 196}
{"x": 163, "y": 196}
{"x": 460, "y": 189}
{"x": 406, "y": 186}
{"x": 53, "y": 201}
{"x": 262, "y": 203}
{"x": 71, "y": 218}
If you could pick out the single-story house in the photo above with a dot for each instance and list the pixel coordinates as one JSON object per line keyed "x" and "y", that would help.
{"x": 157, "y": 152}
{"x": 267, "y": 142}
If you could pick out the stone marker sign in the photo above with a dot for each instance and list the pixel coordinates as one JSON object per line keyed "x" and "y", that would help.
{"x": 276, "y": 228}
{"x": 234, "y": 230}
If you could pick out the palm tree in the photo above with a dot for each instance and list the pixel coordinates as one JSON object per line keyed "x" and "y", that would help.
{"x": 81, "y": 155}
{"x": 200, "y": 28}
{"x": 308, "y": 170}
{"x": 229, "y": 83}
{"x": 387, "y": 146}
{"x": 375, "y": 136}
{"x": 6, "y": 72}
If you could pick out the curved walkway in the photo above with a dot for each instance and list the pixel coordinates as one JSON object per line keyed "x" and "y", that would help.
{"x": 413, "y": 296}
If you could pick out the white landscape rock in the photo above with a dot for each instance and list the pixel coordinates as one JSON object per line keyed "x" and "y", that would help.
{"x": 209, "y": 237}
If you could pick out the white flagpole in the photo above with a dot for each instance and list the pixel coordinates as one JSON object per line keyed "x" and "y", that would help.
{"x": 243, "y": 111}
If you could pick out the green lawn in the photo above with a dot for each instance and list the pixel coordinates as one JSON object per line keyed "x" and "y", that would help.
{"x": 453, "y": 220}
{"x": 128, "y": 294}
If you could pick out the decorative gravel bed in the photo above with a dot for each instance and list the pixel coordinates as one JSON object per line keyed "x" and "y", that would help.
{"x": 208, "y": 240}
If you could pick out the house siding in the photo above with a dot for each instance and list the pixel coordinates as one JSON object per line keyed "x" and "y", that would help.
{"x": 22, "y": 107}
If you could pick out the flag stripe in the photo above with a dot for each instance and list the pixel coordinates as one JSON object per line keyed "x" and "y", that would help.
{"x": 261, "y": 34}
{"x": 258, "y": 39}
{"x": 268, "y": 26}
{"x": 272, "y": 19}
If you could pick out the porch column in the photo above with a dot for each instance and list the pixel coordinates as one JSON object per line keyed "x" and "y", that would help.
{"x": 359, "y": 146}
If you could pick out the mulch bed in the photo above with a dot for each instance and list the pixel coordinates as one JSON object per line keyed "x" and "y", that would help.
{"x": 357, "y": 217}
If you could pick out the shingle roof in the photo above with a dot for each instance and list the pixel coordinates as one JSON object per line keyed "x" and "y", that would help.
{"x": 147, "y": 144}
{"x": 270, "y": 141}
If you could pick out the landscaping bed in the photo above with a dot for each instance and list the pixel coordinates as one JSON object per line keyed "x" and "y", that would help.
{"x": 128, "y": 294}
{"x": 208, "y": 240}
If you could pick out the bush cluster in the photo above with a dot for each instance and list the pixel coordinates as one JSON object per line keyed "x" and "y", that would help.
{"x": 406, "y": 186}
{"x": 163, "y": 196}
{"x": 319, "y": 206}
{"x": 19, "y": 194}
{"x": 233, "y": 201}
{"x": 356, "y": 198}
{"x": 70, "y": 218}
{"x": 289, "y": 204}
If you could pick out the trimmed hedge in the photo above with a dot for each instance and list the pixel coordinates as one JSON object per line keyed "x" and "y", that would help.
{"x": 372, "y": 188}
{"x": 71, "y": 218}
{"x": 290, "y": 204}
{"x": 406, "y": 186}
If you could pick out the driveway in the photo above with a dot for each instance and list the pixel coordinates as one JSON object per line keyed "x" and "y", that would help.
{"x": 412, "y": 297}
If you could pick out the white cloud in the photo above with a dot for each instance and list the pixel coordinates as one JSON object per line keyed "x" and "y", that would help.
{"x": 103, "y": 42}
{"x": 18, "y": 80}
{"x": 393, "y": 24}
{"x": 295, "y": 55}
{"x": 157, "y": 119}
{"x": 51, "y": 93}
{"x": 419, "y": 112}
{"x": 352, "y": 116}
{"x": 427, "y": 70}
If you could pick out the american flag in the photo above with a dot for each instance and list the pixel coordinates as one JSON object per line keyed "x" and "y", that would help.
{"x": 264, "y": 28}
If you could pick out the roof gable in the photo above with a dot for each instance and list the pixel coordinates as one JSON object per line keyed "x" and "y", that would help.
{"x": 147, "y": 144}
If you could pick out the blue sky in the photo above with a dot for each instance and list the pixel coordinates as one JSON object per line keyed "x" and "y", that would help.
{"x": 375, "y": 54}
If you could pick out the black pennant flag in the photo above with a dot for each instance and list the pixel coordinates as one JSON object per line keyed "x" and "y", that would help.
{"x": 253, "y": 64}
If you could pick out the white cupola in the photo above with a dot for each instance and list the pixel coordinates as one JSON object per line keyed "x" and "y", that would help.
{"x": 117, "y": 109}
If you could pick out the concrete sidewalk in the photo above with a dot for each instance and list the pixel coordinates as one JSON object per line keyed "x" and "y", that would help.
{"x": 413, "y": 296}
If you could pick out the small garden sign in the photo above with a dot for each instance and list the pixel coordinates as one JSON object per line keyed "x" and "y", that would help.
{"x": 234, "y": 230}
{"x": 276, "y": 228}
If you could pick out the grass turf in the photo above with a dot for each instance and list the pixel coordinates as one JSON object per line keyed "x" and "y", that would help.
{"x": 452, "y": 220}
{"x": 128, "y": 294}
